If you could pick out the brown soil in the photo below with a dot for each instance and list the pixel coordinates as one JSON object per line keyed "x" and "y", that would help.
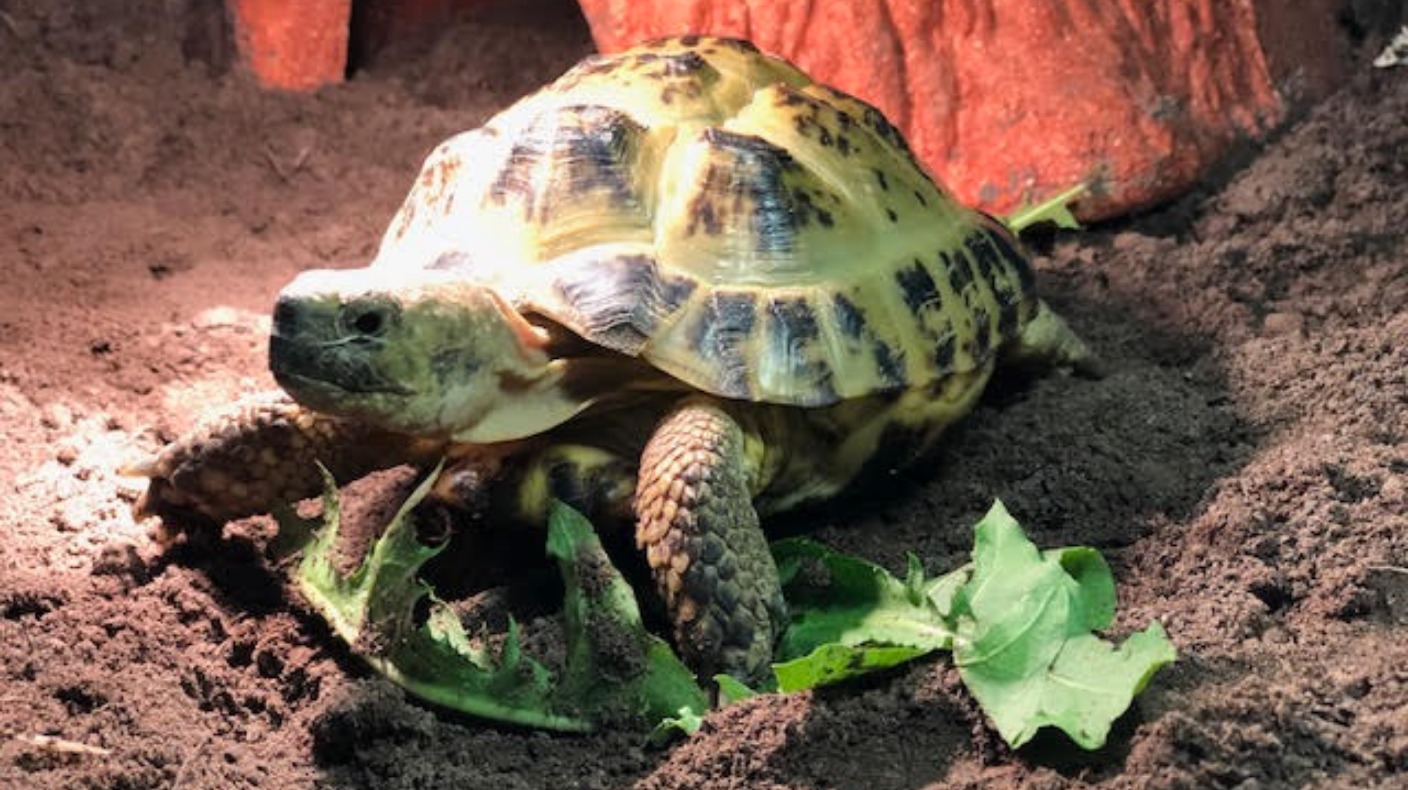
{"x": 1245, "y": 466}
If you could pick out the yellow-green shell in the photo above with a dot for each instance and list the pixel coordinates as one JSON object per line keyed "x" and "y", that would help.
{"x": 715, "y": 212}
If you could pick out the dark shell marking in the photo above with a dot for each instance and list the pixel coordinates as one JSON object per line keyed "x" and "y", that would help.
{"x": 742, "y": 186}
{"x": 618, "y": 302}
{"x": 721, "y": 334}
{"x": 813, "y": 118}
{"x": 571, "y": 156}
{"x": 851, "y": 320}
{"x": 793, "y": 339}
{"x": 918, "y": 287}
{"x": 848, "y": 316}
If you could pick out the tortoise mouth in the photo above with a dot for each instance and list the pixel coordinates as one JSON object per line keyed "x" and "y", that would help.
{"x": 323, "y": 375}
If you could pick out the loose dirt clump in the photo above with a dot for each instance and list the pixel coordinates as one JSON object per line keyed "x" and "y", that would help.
{"x": 1244, "y": 465}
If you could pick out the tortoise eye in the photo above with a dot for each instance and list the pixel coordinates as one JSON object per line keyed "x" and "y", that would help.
{"x": 367, "y": 319}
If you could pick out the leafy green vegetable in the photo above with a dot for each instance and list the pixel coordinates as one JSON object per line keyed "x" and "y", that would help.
{"x": 732, "y": 690}
{"x": 840, "y": 599}
{"x": 1017, "y": 619}
{"x": 614, "y": 670}
{"x": 686, "y": 722}
{"x": 1055, "y": 209}
{"x": 850, "y": 617}
{"x": 832, "y": 663}
{"x": 1024, "y": 646}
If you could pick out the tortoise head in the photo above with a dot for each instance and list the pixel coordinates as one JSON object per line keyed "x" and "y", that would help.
{"x": 427, "y": 355}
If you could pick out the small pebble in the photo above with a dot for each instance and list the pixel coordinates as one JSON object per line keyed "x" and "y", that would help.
{"x": 1276, "y": 324}
{"x": 56, "y": 415}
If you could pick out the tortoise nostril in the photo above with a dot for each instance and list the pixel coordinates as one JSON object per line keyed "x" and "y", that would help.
{"x": 369, "y": 322}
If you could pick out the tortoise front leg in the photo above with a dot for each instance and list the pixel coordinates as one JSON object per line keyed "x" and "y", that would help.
{"x": 702, "y": 539}
{"x": 260, "y": 452}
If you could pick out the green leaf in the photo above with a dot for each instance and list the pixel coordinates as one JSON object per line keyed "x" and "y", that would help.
{"x": 1019, "y": 621}
{"x": 373, "y": 610}
{"x": 615, "y": 668}
{"x": 686, "y": 723}
{"x": 1024, "y": 647}
{"x": 840, "y": 599}
{"x": 1054, "y": 209}
{"x": 614, "y": 672}
{"x": 943, "y": 591}
{"x": 1093, "y": 682}
{"x": 832, "y": 663}
{"x": 1094, "y": 584}
{"x": 732, "y": 690}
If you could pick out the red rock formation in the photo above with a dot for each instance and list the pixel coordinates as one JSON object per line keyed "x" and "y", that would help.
{"x": 1010, "y": 101}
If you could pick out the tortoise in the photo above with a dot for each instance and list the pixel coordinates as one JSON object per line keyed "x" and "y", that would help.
{"x": 684, "y": 284}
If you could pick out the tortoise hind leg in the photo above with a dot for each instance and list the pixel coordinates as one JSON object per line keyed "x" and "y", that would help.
{"x": 703, "y": 542}
{"x": 1047, "y": 342}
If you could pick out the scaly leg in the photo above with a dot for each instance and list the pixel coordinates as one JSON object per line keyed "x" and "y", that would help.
{"x": 706, "y": 549}
{"x": 260, "y": 452}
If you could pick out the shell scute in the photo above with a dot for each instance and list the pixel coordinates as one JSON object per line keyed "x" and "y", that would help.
{"x": 718, "y": 337}
{"x": 571, "y": 167}
{"x": 795, "y": 344}
{"x": 616, "y": 296}
{"x": 741, "y": 189}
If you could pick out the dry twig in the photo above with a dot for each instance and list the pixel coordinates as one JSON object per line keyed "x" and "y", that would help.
{"x": 10, "y": 25}
{"x": 287, "y": 172}
{"x": 49, "y": 743}
{"x": 186, "y": 763}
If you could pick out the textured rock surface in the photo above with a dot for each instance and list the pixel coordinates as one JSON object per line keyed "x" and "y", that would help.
{"x": 295, "y": 46}
{"x": 1008, "y": 100}
{"x": 309, "y": 43}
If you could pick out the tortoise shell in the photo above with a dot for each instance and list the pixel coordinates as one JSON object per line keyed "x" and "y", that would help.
{"x": 713, "y": 211}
